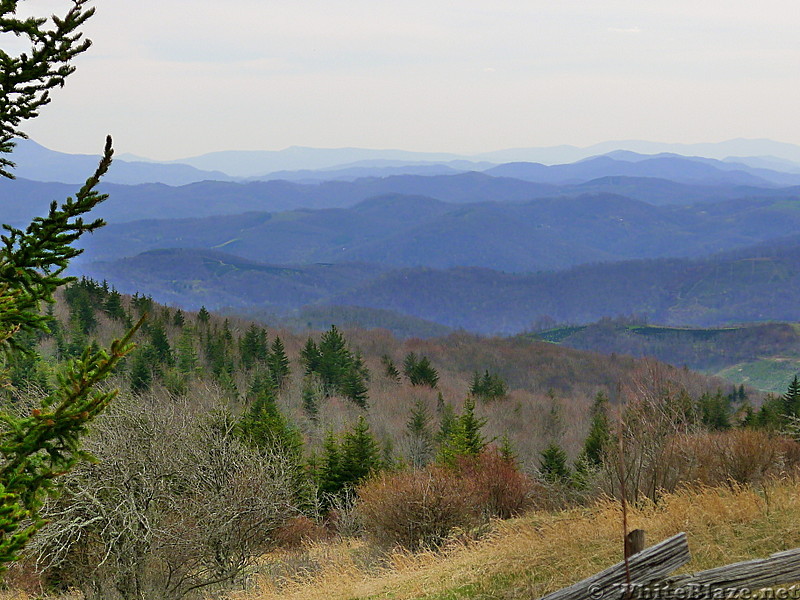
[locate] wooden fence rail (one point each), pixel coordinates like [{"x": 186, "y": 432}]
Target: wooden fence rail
[
  {"x": 647, "y": 567},
  {"x": 650, "y": 570}
]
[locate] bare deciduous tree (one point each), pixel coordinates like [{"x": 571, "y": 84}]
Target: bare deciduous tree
[{"x": 176, "y": 503}]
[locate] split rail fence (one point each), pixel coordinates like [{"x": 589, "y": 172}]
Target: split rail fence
[{"x": 647, "y": 576}]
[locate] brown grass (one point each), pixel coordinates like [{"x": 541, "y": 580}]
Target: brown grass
[{"x": 541, "y": 552}]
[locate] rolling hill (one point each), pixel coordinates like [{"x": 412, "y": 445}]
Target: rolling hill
[
  {"x": 417, "y": 231},
  {"x": 758, "y": 285}
]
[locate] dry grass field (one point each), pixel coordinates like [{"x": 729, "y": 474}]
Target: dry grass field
[{"x": 531, "y": 556}]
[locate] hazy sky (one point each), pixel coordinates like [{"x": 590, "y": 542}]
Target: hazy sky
[{"x": 174, "y": 78}]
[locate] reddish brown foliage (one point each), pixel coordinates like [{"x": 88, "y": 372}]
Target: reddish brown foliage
[{"x": 417, "y": 509}]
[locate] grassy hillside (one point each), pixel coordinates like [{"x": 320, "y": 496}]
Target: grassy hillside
[{"x": 531, "y": 556}]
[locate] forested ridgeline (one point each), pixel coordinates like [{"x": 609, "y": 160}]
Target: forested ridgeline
[{"x": 229, "y": 440}]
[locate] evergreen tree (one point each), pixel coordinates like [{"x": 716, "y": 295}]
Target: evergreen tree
[
  {"x": 278, "y": 363},
  {"x": 310, "y": 356},
  {"x": 506, "y": 450},
  {"x": 162, "y": 352},
  {"x": 38, "y": 447},
  {"x": 310, "y": 398},
  {"x": 390, "y": 369},
  {"x": 553, "y": 464},
  {"x": 264, "y": 424},
  {"x": 186, "y": 354},
  {"x": 143, "y": 369},
  {"x": 447, "y": 421},
  {"x": 489, "y": 386},
  {"x": 354, "y": 388},
  {"x": 599, "y": 432},
  {"x": 791, "y": 399},
  {"x": 339, "y": 370},
  {"x": 420, "y": 371},
  {"x": 409, "y": 364},
  {"x": 465, "y": 439},
  {"x": 253, "y": 346},
  {"x": 113, "y": 307},
  {"x": 178, "y": 320},
  {"x": 334, "y": 359},
  {"x": 331, "y": 480},
  {"x": 203, "y": 316},
  {"x": 361, "y": 453},
  {"x": 420, "y": 437},
  {"x": 714, "y": 411},
  {"x": 81, "y": 307}
]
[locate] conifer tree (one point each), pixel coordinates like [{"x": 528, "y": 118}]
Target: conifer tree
[
  {"x": 144, "y": 369},
  {"x": 361, "y": 453},
  {"x": 714, "y": 411},
  {"x": 36, "y": 448},
  {"x": 420, "y": 436},
  {"x": 253, "y": 346},
  {"x": 420, "y": 371},
  {"x": 310, "y": 399},
  {"x": 447, "y": 421},
  {"x": 553, "y": 464},
  {"x": 465, "y": 439},
  {"x": 162, "y": 352},
  {"x": 390, "y": 369},
  {"x": 264, "y": 424},
  {"x": 330, "y": 466},
  {"x": 203, "y": 316},
  {"x": 338, "y": 368},
  {"x": 186, "y": 354},
  {"x": 599, "y": 432},
  {"x": 791, "y": 399},
  {"x": 278, "y": 363},
  {"x": 506, "y": 450},
  {"x": 113, "y": 306},
  {"x": 310, "y": 356}
]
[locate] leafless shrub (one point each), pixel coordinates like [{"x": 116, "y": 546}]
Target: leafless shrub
[
  {"x": 417, "y": 509},
  {"x": 175, "y": 504},
  {"x": 741, "y": 457},
  {"x": 646, "y": 459}
]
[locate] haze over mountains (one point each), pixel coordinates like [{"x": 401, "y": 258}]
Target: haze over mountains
[{"x": 489, "y": 243}]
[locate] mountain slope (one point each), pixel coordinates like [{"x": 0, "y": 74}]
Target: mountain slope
[
  {"x": 405, "y": 231},
  {"x": 38, "y": 163},
  {"x": 758, "y": 285}
]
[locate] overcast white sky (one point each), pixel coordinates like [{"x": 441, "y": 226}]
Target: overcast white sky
[{"x": 174, "y": 78}]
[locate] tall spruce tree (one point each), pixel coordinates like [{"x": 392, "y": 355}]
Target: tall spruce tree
[
  {"x": 599, "y": 432},
  {"x": 361, "y": 453},
  {"x": 278, "y": 363},
  {"x": 791, "y": 399},
  {"x": 36, "y": 448},
  {"x": 264, "y": 424}
]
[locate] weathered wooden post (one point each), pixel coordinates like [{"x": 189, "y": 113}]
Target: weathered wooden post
[{"x": 634, "y": 542}]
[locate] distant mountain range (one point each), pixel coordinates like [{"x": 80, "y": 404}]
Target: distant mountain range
[
  {"x": 41, "y": 164},
  {"x": 261, "y": 163},
  {"x": 763, "y": 159},
  {"x": 421, "y": 243},
  {"x": 21, "y": 199}
]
